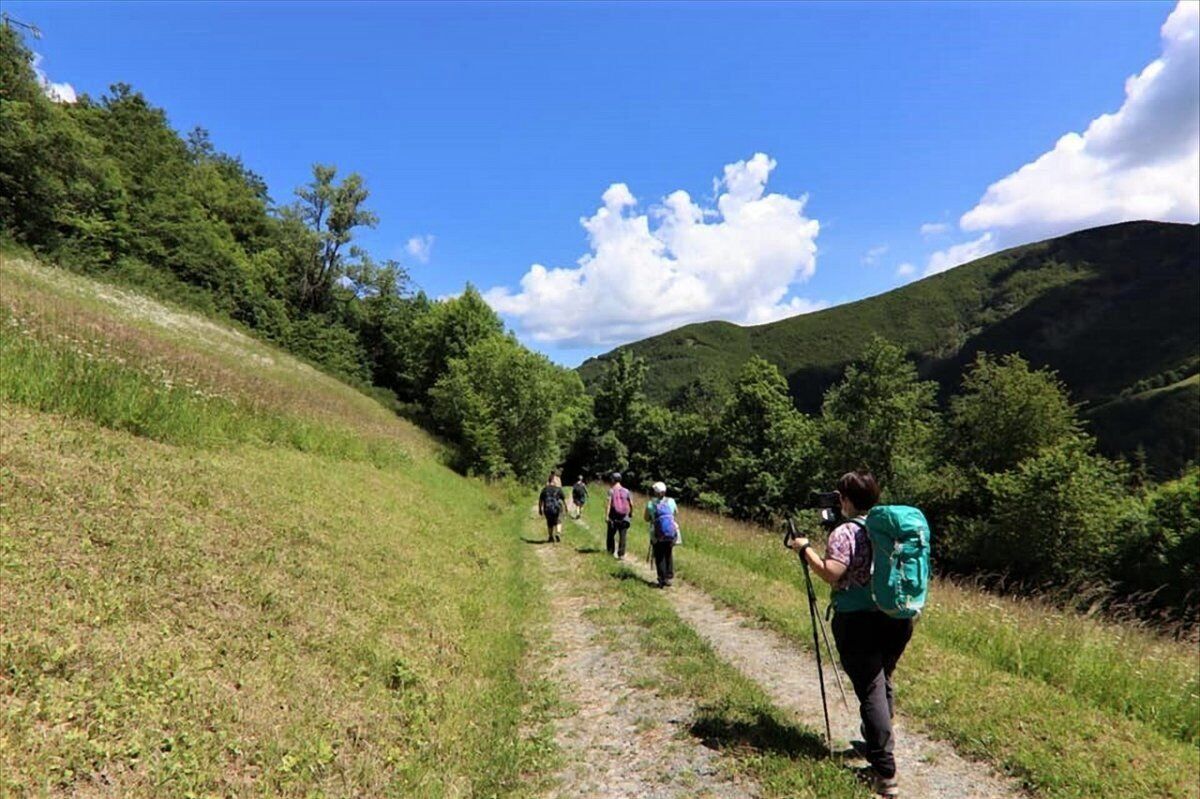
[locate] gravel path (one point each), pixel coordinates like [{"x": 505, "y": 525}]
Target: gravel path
[
  {"x": 622, "y": 741},
  {"x": 928, "y": 769}
]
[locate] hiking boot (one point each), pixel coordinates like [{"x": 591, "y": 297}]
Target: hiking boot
[
  {"x": 857, "y": 749},
  {"x": 879, "y": 784}
]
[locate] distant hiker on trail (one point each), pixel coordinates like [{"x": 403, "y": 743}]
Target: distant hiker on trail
[
  {"x": 664, "y": 533},
  {"x": 618, "y": 511},
  {"x": 550, "y": 505},
  {"x": 869, "y": 641},
  {"x": 579, "y": 496}
]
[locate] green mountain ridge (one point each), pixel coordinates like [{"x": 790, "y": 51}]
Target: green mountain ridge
[{"x": 1115, "y": 310}]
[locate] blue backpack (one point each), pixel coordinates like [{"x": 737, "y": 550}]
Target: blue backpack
[
  {"x": 900, "y": 559},
  {"x": 665, "y": 526}
]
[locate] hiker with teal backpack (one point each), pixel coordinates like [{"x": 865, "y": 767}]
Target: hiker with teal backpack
[
  {"x": 877, "y": 561},
  {"x": 664, "y": 533}
]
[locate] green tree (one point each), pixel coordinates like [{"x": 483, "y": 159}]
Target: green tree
[
  {"x": 1058, "y": 517},
  {"x": 448, "y": 331},
  {"x": 770, "y": 454},
  {"x": 511, "y": 409},
  {"x": 58, "y": 191},
  {"x": 332, "y": 211},
  {"x": 1006, "y": 413},
  {"x": 620, "y": 396},
  {"x": 1161, "y": 560},
  {"x": 882, "y": 417}
]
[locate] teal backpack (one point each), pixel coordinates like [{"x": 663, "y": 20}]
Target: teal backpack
[{"x": 900, "y": 568}]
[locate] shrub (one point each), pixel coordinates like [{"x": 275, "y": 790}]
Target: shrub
[{"x": 1057, "y": 517}]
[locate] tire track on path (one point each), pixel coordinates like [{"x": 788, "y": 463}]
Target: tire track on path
[{"x": 623, "y": 740}]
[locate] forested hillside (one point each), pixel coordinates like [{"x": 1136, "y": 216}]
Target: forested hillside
[
  {"x": 107, "y": 187},
  {"x": 1115, "y": 311}
]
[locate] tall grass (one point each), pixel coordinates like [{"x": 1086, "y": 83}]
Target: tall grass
[
  {"x": 55, "y": 375},
  {"x": 1117, "y": 667}
]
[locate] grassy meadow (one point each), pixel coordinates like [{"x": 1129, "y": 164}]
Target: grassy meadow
[{"x": 209, "y": 591}]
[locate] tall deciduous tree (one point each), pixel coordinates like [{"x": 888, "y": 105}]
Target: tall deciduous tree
[
  {"x": 1006, "y": 413},
  {"x": 770, "y": 451},
  {"x": 332, "y": 211},
  {"x": 512, "y": 409},
  {"x": 881, "y": 416}
]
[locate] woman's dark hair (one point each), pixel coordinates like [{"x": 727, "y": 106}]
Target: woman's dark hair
[{"x": 860, "y": 488}]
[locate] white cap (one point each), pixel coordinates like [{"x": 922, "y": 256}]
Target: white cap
[{"x": 659, "y": 488}]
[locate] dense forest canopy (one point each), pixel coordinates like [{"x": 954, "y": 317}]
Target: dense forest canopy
[{"x": 1010, "y": 477}]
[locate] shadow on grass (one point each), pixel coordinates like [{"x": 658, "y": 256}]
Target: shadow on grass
[
  {"x": 589, "y": 550},
  {"x": 536, "y": 541},
  {"x": 626, "y": 574},
  {"x": 760, "y": 732}
]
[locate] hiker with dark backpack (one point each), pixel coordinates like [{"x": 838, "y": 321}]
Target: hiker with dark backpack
[
  {"x": 618, "y": 511},
  {"x": 878, "y": 564},
  {"x": 579, "y": 495},
  {"x": 550, "y": 505},
  {"x": 664, "y": 533}
]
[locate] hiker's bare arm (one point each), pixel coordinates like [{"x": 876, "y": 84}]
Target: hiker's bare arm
[{"x": 827, "y": 569}]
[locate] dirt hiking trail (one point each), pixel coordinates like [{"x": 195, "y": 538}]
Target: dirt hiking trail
[
  {"x": 928, "y": 769},
  {"x": 622, "y": 741}
]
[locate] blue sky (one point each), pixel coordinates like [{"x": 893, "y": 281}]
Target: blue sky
[{"x": 496, "y": 128}]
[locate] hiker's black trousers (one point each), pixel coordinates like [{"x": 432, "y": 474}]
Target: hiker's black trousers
[
  {"x": 618, "y": 531},
  {"x": 664, "y": 561},
  {"x": 870, "y": 644}
]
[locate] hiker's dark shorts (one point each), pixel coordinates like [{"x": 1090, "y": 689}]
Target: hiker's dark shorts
[
  {"x": 580, "y": 501},
  {"x": 551, "y": 521}
]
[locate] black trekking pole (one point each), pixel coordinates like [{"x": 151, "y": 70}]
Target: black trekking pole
[{"x": 812, "y": 612}]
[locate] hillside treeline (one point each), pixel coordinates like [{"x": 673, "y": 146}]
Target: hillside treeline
[
  {"x": 106, "y": 186},
  {"x": 1010, "y": 478}
]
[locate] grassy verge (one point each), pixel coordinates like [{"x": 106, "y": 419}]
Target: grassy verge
[
  {"x": 734, "y": 714},
  {"x": 1071, "y": 706},
  {"x": 255, "y": 622}
]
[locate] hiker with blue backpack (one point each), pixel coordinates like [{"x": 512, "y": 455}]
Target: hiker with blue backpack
[
  {"x": 877, "y": 561},
  {"x": 664, "y": 533},
  {"x": 618, "y": 512}
]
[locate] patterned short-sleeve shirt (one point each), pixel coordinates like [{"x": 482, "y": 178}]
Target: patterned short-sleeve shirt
[{"x": 849, "y": 545}]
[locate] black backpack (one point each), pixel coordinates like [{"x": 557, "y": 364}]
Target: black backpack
[{"x": 551, "y": 501}]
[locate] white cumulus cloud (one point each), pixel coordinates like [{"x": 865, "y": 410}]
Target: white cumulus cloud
[
  {"x": 934, "y": 228},
  {"x": 58, "y": 92},
  {"x": 1140, "y": 162},
  {"x": 906, "y": 269},
  {"x": 647, "y": 272},
  {"x": 420, "y": 247}
]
